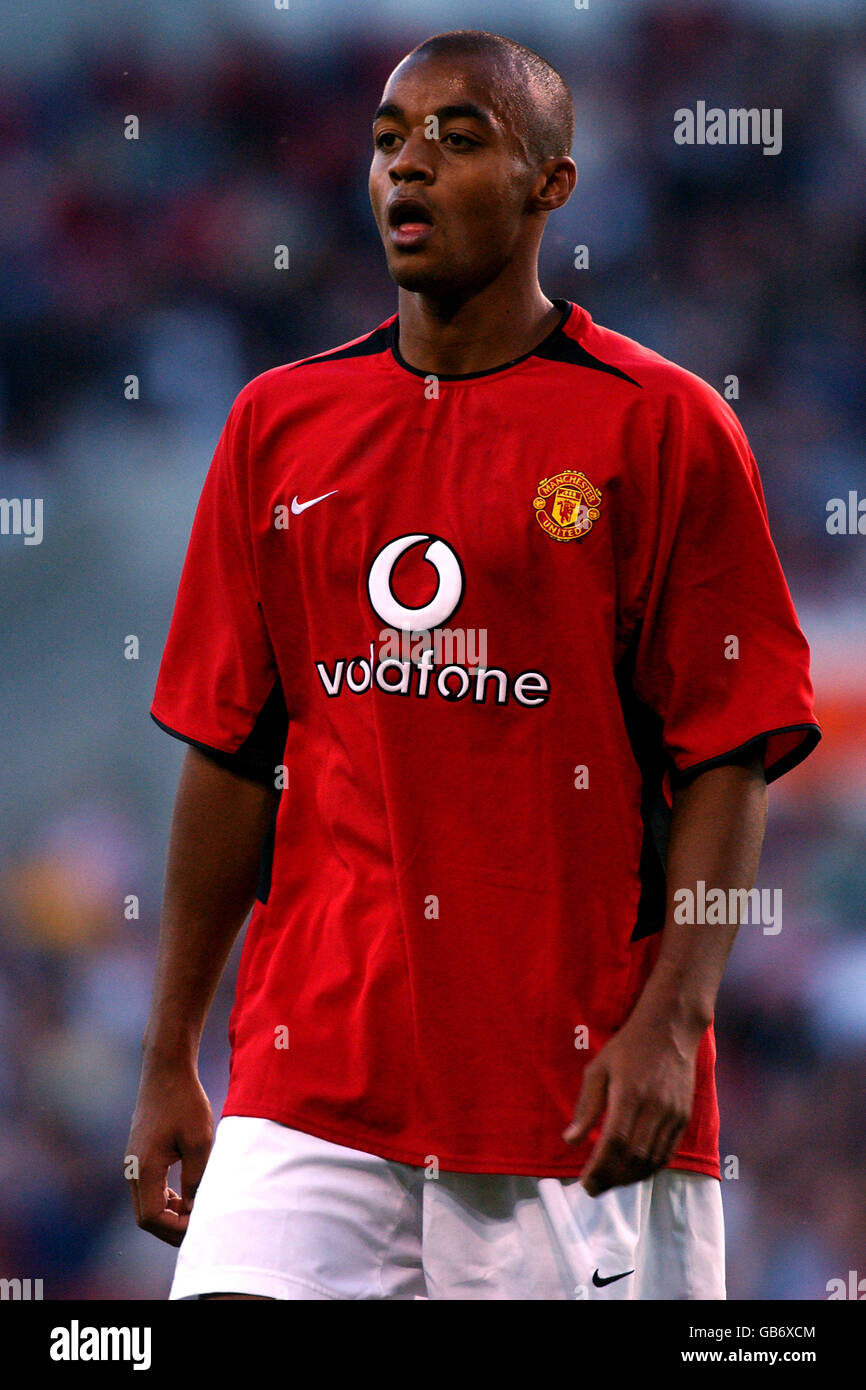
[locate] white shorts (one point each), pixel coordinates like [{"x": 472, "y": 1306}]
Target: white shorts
[{"x": 283, "y": 1214}]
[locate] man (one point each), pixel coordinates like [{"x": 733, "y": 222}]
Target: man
[{"x": 472, "y": 1043}]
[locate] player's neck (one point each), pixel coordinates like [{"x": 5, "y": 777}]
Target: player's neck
[{"x": 456, "y": 337}]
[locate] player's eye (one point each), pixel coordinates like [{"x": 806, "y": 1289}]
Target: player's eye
[{"x": 457, "y": 140}]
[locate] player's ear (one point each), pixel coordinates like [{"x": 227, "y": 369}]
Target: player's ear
[{"x": 555, "y": 183}]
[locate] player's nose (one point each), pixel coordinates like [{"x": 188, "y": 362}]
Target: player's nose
[{"x": 414, "y": 159}]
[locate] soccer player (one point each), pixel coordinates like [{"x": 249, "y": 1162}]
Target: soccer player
[{"x": 485, "y": 658}]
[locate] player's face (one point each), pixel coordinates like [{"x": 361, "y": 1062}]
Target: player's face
[{"x": 466, "y": 168}]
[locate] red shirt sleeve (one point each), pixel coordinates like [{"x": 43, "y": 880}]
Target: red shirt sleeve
[
  {"x": 721, "y": 657},
  {"x": 218, "y": 686}
]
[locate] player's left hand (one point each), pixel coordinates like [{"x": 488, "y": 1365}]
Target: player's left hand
[{"x": 643, "y": 1082}]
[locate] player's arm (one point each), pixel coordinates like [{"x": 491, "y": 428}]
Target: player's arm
[
  {"x": 643, "y": 1079},
  {"x": 218, "y": 825}
]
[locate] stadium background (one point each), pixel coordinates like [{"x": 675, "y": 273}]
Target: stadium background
[{"x": 155, "y": 257}]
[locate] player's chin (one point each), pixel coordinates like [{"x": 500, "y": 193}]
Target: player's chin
[
  {"x": 424, "y": 275},
  {"x": 411, "y": 270}
]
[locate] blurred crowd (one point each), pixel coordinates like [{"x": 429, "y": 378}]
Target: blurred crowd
[{"x": 154, "y": 257}]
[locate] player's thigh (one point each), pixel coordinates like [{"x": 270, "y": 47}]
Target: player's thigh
[{"x": 283, "y": 1214}]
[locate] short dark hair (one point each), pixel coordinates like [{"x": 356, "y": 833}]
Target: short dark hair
[{"x": 535, "y": 94}]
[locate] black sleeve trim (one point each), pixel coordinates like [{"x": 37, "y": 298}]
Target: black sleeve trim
[
  {"x": 811, "y": 738},
  {"x": 261, "y": 751}
]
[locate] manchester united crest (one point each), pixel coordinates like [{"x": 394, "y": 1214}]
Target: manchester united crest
[{"x": 567, "y": 505}]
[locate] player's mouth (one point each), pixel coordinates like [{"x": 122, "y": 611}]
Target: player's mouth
[{"x": 410, "y": 222}]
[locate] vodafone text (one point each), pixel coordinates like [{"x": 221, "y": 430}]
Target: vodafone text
[{"x": 358, "y": 674}]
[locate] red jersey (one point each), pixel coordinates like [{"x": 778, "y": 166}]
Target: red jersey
[{"x": 475, "y": 628}]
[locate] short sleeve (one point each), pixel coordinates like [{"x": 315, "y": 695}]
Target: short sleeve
[
  {"x": 721, "y": 657},
  {"x": 218, "y": 686}
]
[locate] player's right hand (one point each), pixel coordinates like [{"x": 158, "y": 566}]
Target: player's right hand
[{"x": 172, "y": 1121}]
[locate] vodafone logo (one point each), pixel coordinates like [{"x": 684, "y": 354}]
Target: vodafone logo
[
  {"x": 421, "y": 678},
  {"x": 444, "y": 603}
]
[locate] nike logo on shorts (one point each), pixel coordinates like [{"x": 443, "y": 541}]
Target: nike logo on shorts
[{"x": 600, "y": 1283}]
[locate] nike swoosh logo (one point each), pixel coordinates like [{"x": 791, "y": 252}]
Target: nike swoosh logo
[
  {"x": 298, "y": 507},
  {"x": 600, "y": 1283}
]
